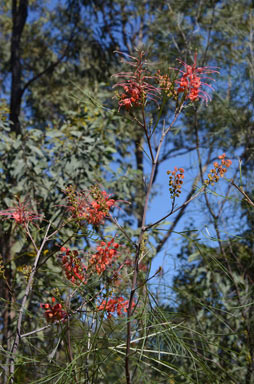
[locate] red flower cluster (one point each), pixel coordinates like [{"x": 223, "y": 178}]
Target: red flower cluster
[
  {"x": 114, "y": 305},
  {"x": 54, "y": 312},
  {"x": 191, "y": 81},
  {"x": 132, "y": 96},
  {"x": 219, "y": 170},
  {"x": 92, "y": 206},
  {"x": 104, "y": 255},
  {"x": 74, "y": 270},
  {"x": 21, "y": 213},
  {"x": 137, "y": 89},
  {"x": 99, "y": 207},
  {"x": 175, "y": 181},
  {"x": 225, "y": 162}
]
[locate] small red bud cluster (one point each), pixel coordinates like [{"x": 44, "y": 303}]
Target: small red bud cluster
[
  {"x": 224, "y": 161},
  {"x": 73, "y": 268},
  {"x": 116, "y": 305},
  {"x": 104, "y": 256},
  {"x": 92, "y": 207},
  {"x": 219, "y": 170},
  {"x": 54, "y": 312},
  {"x": 175, "y": 181}
]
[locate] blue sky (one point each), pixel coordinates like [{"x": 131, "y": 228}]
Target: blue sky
[{"x": 194, "y": 213}]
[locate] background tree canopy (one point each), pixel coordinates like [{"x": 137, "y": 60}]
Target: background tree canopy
[{"x": 60, "y": 126}]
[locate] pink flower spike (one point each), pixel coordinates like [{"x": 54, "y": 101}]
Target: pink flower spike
[
  {"x": 135, "y": 86},
  {"x": 191, "y": 81},
  {"x": 21, "y": 213}
]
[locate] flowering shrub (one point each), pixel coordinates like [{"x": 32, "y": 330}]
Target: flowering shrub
[
  {"x": 138, "y": 87},
  {"x": 119, "y": 272}
]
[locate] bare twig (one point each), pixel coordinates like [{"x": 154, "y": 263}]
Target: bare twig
[
  {"x": 176, "y": 209},
  {"x": 114, "y": 220},
  {"x": 240, "y": 189}
]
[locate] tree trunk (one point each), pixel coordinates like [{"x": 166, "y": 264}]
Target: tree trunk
[{"x": 19, "y": 16}]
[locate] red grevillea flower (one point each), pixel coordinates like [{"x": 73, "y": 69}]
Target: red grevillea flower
[
  {"x": 106, "y": 252},
  {"x": 116, "y": 305},
  {"x": 54, "y": 312},
  {"x": 21, "y": 213},
  {"x": 136, "y": 84},
  {"x": 92, "y": 206},
  {"x": 192, "y": 80},
  {"x": 74, "y": 270}
]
